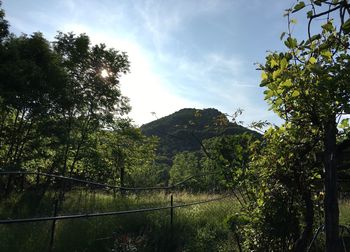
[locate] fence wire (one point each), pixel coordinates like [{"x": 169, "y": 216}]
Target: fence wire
[
  {"x": 113, "y": 213},
  {"x": 102, "y": 185}
]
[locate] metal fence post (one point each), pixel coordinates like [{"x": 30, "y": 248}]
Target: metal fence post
[
  {"x": 171, "y": 211},
  {"x": 53, "y": 226},
  {"x": 37, "y": 176}
]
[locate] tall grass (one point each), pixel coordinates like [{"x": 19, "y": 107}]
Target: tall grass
[
  {"x": 344, "y": 212},
  {"x": 195, "y": 228}
]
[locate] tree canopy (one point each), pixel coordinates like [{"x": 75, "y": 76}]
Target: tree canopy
[{"x": 308, "y": 87}]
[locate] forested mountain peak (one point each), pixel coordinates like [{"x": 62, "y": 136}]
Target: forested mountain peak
[
  {"x": 185, "y": 129},
  {"x": 186, "y": 117}
]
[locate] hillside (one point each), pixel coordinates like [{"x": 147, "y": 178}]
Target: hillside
[{"x": 186, "y": 128}]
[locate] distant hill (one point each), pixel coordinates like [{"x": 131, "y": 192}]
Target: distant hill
[{"x": 186, "y": 128}]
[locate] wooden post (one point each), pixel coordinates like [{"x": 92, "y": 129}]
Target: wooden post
[{"x": 331, "y": 190}]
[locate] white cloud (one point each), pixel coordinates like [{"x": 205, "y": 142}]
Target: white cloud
[{"x": 167, "y": 76}]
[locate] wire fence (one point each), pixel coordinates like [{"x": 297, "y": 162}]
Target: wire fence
[
  {"x": 170, "y": 207},
  {"x": 107, "y": 186},
  {"x": 321, "y": 229},
  {"x": 90, "y": 215},
  {"x": 57, "y": 217}
]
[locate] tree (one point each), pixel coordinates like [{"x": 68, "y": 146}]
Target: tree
[
  {"x": 91, "y": 101},
  {"x": 308, "y": 86},
  {"x": 186, "y": 165},
  {"x": 4, "y": 32},
  {"x": 121, "y": 156},
  {"x": 228, "y": 156},
  {"x": 54, "y": 99},
  {"x": 285, "y": 177},
  {"x": 31, "y": 82}
]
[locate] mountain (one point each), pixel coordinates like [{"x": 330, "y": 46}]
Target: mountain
[{"x": 185, "y": 129}]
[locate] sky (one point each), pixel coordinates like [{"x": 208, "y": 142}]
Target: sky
[{"x": 183, "y": 53}]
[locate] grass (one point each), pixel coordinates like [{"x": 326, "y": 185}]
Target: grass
[
  {"x": 195, "y": 228},
  {"x": 344, "y": 212}
]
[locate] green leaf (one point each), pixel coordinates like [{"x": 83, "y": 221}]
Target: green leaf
[
  {"x": 346, "y": 26},
  {"x": 326, "y": 54},
  {"x": 275, "y": 74},
  {"x": 293, "y": 21},
  {"x": 291, "y": 42},
  {"x": 287, "y": 83},
  {"x": 273, "y": 63},
  {"x": 278, "y": 101},
  {"x": 284, "y": 63},
  {"x": 298, "y": 6},
  {"x": 312, "y": 60},
  {"x": 313, "y": 38},
  {"x": 318, "y": 2},
  {"x": 295, "y": 93},
  {"x": 264, "y": 75},
  {"x": 282, "y": 35},
  {"x": 309, "y": 14},
  {"x": 344, "y": 123},
  {"x": 268, "y": 94},
  {"x": 317, "y": 176},
  {"x": 328, "y": 26}
]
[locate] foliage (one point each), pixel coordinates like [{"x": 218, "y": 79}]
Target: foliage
[
  {"x": 186, "y": 129},
  {"x": 60, "y": 114},
  {"x": 196, "y": 228},
  {"x": 285, "y": 177},
  {"x": 185, "y": 165},
  {"x": 229, "y": 156},
  {"x": 307, "y": 87}
]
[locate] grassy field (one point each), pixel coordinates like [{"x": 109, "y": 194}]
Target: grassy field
[{"x": 196, "y": 228}]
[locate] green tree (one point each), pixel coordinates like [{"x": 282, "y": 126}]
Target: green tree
[
  {"x": 91, "y": 101},
  {"x": 120, "y": 156},
  {"x": 186, "y": 165},
  {"x": 308, "y": 86},
  {"x": 4, "y": 32},
  {"x": 54, "y": 99},
  {"x": 228, "y": 157},
  {"x": 285, "y": 177},
  {"x": 31, "y": 80}
]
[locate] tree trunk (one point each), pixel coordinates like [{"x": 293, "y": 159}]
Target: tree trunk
[
  {"x": 331, "y": 192},
  {"x": 303, "y": 242}
]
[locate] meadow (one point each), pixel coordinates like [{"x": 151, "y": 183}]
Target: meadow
[{"x": 195, "y": 228}]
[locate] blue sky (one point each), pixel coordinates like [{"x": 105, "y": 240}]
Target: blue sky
[{"x": 183, "y": 53}]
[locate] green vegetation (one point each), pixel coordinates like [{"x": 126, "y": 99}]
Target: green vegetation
[
  {"x": 192, "y": 229},
  {"x": 308, "y": 87},
  {"x": 59, "y": 114},
  {"x": 186, "y": 129}
]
